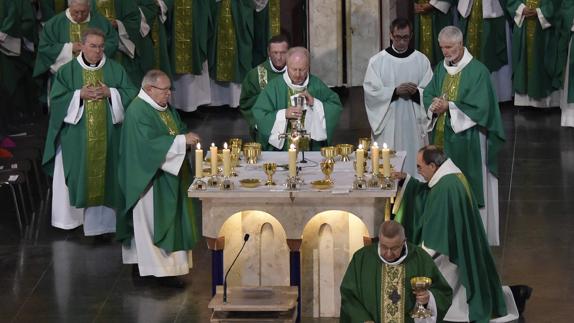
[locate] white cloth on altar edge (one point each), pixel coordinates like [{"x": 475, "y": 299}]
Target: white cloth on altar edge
[
  {"x": 191, "y": 91},
  {"x": 567, "y": 117}
]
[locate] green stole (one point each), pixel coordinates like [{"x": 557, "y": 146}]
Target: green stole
[
  {"x": 393, "y": 293},
  {"x": 531, "y": 24},
  {"x": 226, "y": 44},
  {"x": 96, "y": 135},
  {"x": 450, "y": 90},
  {"x": 474, "y": 29}
]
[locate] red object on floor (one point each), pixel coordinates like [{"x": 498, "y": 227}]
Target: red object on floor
[{"x": 5, "y": 154}]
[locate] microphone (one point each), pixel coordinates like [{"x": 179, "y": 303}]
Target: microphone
[{"x": 245, "y": 238}]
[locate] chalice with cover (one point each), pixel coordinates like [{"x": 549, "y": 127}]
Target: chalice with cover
[
  {"x": 270, "y": 169},
  {"x": 420, "y": 284}
]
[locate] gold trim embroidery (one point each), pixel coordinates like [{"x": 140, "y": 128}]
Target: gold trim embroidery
[
  {"x": 474, "y": 29},
  {"x": 226, "y": 44},
  {"x": 183, "y": 17},
  {"x": 426, "y": 35},
  {"x": 275, "y": 17},
  {"x": 393, "y": 293},
  {"x": 450, "y": 88},
  {"x": 262, "y": 73},
  {"x": 106, "y": 8},
  {"x": 167, "y": 119}
]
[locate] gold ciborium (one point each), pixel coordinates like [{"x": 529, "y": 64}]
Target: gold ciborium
[
  {"x": 327, "y": 167},
  {"x": 270, "y": 169},
  {"x": 420, "y": 284},
  {"x": 252, "y": 151},
  {"x": 366, "y": 142},
  {"x": 345, "y": 150},
  {"x": 236, "y": 144},
  {"x": 329, "y": 152}
]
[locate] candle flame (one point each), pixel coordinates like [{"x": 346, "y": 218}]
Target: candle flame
[
  {"x": 198, "y": 146},
  {"x": 360, "y": 146},
  {"x": 292, "y": 146},
  {"x": 212, "y": 145},
  {"x": 376, "y": 145},
  {"x": 224, "y": 145},
  {"x": 385, "y": 146}
]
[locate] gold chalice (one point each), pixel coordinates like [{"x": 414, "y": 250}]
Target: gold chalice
[
  {"x": 236, "y": 142},
  {"x": 252, "y": 150},
  {"x": 270, "y": 169},
  {"x": 329, "y": 152},
  {"x": 327, "y": 167},
  {"x": 420, "y": 284},
  {"x": 236, "y": 149},
  {"x": 234, "y": 162},
  {"x": 345, "y": 150}
]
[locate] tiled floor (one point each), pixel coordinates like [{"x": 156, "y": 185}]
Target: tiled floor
[{"x": 65, "y": 277}]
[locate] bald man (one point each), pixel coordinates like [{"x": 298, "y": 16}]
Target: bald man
[{"x": 275, "y": 106}]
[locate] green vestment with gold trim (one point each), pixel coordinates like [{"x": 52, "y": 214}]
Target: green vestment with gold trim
[
  {"x": 472, "y": 92},
  {"x": 446, "y": 218},
  {"x": 154, "y": 52},
  {"x": 374, "y": 291},
  {"x": 90, "y": 147},
  {"x": 426, "y": 29},
  {"x": 147, "y": 135},
  {"x": 266, "y": 24}
]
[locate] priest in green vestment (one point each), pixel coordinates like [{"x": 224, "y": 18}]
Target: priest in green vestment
[
  {"x": 88, "y": 97},
  {"x": 533, "y": 52},
  {"x": 154, "y": 52},
  {"x": 465, "y": 121},
  {"x": 258, "y": 78},
  {"x": 266, "y": 25},
  {"x": 430, "y": 18},
  {"x": 157, "y": 224},
  {"x": 125, "y": 17},
  {"x": 60, "y": 40},
  {"x": 442, "y": 216},
  {"x": 377, "y": 284},
  {"x": 18, "y": 40},
  {"x": 275, "y": 106}
]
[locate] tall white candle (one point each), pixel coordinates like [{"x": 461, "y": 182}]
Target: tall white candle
[
  {"x": 226, "y": 161},
  {"x": 292, "y": 161},
  {"x": 213, "y": 156},
  {"x": 360, "y": 161},
  {"x": 198, "y": 161},
  {"x": 386, "y": 161},
  {"x": 375, "y": 157}
]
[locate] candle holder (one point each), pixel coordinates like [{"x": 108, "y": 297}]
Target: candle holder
[
  {"x": 387, "y": 183},
  {"x": 359, "y": 183},
  {"x": 213, "y": 181},
  {"x": 226, "y": 184},
  {"x": 198, "y": 184},
  {"x": 374, "y": 181},
  {"x": 293, "y": 183}
]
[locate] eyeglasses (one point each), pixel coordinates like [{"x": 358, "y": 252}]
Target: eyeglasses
[
  {"x": 403, "y": 38},
  {"x": 161, "y": 89}
]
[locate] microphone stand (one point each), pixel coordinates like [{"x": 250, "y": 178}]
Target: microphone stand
[{"x": 245, "y": 238}]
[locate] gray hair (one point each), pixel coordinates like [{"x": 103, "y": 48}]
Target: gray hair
[
  {"x": 451, "y": 33},
  {"x": 295, "y": 51},
  {"x": 152, "y": 76},
  {"x": 433, "y": 154},
  {"x": 71, "y": 2},
  {"x": 92, "y": 32},
  {"x": 391, "y": 229}
]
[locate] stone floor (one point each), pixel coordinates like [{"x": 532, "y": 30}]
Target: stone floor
[{"x": 64, "y": 277}]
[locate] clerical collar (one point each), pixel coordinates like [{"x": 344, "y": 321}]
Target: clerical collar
[
  {"x": 447, "y": 168},
  {"x": 295, "y": 87},
  {"x": 88, "y": 66},
  {"x": 276, "y": 70},
  {"x": 144, "y": 96},
  {"x": 391, "y": 50},
  {"x": 69, "y": 16},
  {"x": 454, "y": 69},
  {"x": 404, "y": 255}
]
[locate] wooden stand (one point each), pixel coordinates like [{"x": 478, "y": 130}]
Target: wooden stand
[{"x": 255, "y": 304}]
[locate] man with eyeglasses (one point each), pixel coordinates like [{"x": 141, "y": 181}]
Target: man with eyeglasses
[
  {"x": 393, "y": 86},
  {"x": 442, "y": 217},
  {"x": 377, "y": 284},
  {"x": 157, "y": 224},
  {"x": 88, "y": 98}
]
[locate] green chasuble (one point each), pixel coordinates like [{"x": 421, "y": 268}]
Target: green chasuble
[
  {"x": 255, "y": 81},
  {"x": 128, "y": 13},
  {"x": 50, "y": 8},
  {"x": 266, "y": 24},
  {"x": 485, "y": 38},
  {"x": 90, "y": 147},
  {"x": 472, "y": 92},
  {"x": 154, "y": 50},
  {"x": 533, "y": 51},
  {"x": 147, "y": 135},
  {"x": 231, "y": 45},
  {"x": 426, "y": 28},
  {"x": 374, "y": 291},
  {"x": 188, "y": 25},
  {"x": 449, "y": 223},
  {"x": 60, "y": 30},
  {"x": 275, "y": 97}
]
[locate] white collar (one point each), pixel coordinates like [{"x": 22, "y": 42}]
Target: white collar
[
  {"x": 396, "y": 51},
  {"x": 72, "y": 19},
  {"x": 90, "y": 68},
  {"x": 277, "y": 70},
  {"x": 466, "y": 58},
  {"x": 396, "y": 262},
  {"x": 144, "y": 96},
  {"x": 297, "y": 88},
  {"x": 447, "y": 168}
]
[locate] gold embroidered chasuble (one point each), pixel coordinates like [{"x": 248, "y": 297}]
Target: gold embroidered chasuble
[
  {"x": 450, "y": 93},
  {"x": 183, "y": 36},
  {"x": 393, "y": 293}
]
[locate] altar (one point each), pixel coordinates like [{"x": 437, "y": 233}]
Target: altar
[{"x": 304, "y": 237}]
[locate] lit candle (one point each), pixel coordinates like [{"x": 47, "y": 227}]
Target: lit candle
[
  {"x": 375, "y": 157},
  {"x": 292, "y": 161},
  {"x": 226, "y": 161},
  {"x": 386, "y": 161},
  {"x": 198, "y": 161},
  {"x": 360, "y": 162},
  {"x": 213, "y": 156}
]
